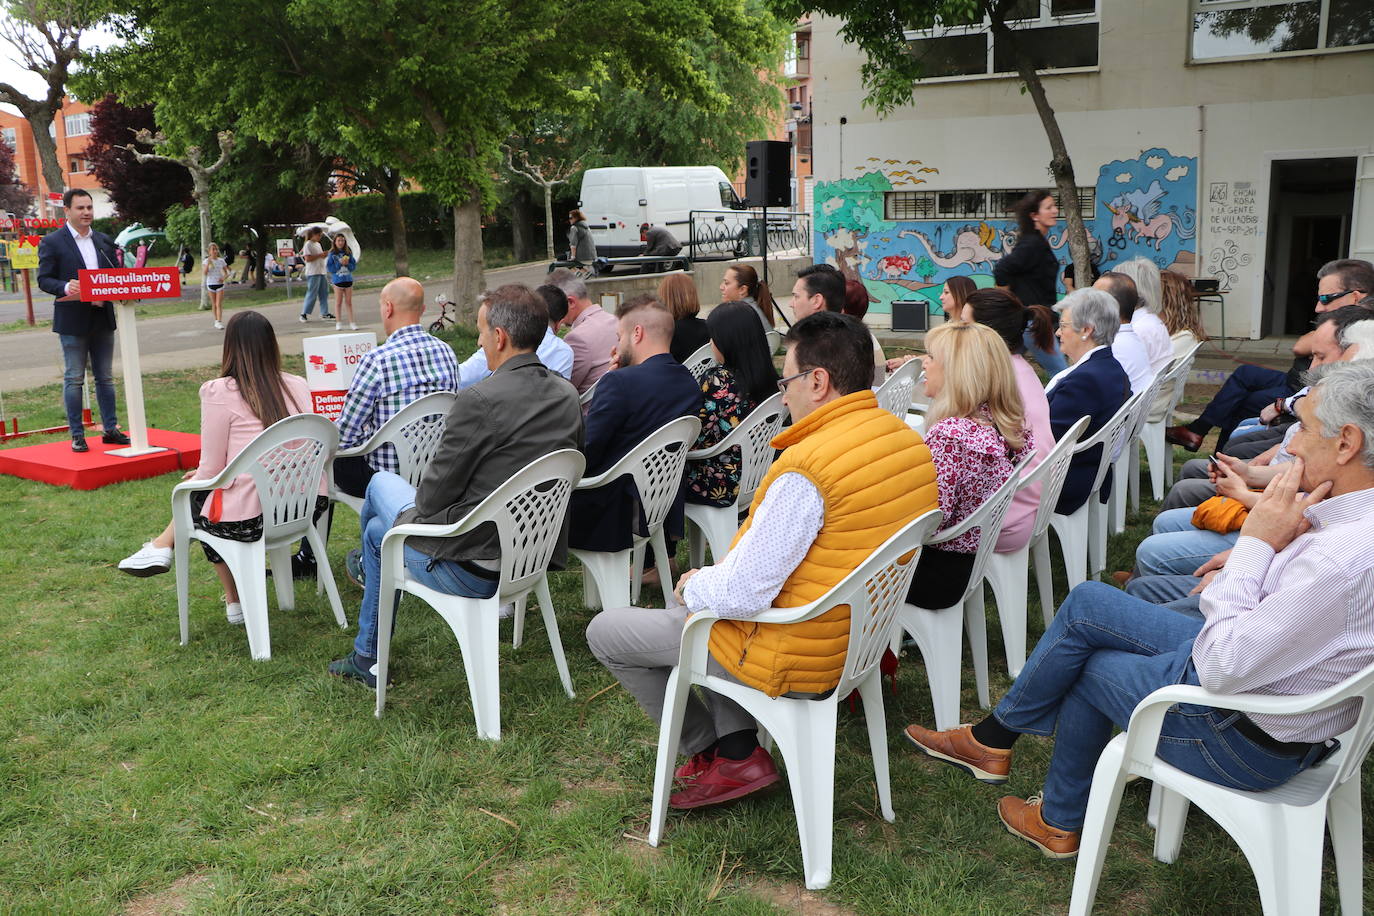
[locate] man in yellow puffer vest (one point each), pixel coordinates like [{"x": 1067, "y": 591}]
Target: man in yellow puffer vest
[{"x": 851, "y": 475}]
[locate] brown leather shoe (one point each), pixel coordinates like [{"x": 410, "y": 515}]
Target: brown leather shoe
[
  {"x": 1121, "y": 577},
  {"x": 1022, "y": 818},
  {"x": 958, "y": 747},
  {"x": 1182, "y": 435}
]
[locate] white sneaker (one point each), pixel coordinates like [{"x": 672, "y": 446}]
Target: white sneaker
[
  {"x": 353, "y": 325},
  {"x": 338, "y": 325},
  {"x": 507, "y": 610},
  {"x": 233, "y": 612},
  {"x": 148, "y": 561},
  {"x": 218, "y": 326},
  {"x": 304, "y": 319}
]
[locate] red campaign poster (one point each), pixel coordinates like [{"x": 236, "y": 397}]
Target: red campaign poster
[{"x": 119, "y": 283}]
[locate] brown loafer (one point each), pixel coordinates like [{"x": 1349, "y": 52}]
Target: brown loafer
[
  {"x": 1021, "y": 816},
  {"x": 1121, "y": 577},
  {"x": 958, "y": 747},
  {"x": 1182, "y": 435}
]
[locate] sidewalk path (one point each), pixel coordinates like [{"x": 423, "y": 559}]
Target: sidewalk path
[{"x": 33, "y": 358}]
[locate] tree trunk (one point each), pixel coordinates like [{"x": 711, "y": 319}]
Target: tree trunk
[
  {"x": 548, "y": 221},
  {"x": 260, "y": 254},
  {"x": 521, "y": 225},
  {"x": 201, "y": 192},
  {"x": 53, "y": 173},
  {"x": 1061, "y": 166},
  {"x": 396, "y": 220},
  {"x": 468, "y": 281}
]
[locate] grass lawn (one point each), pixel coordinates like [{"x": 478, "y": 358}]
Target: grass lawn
[{"x": 141, "y": 776}]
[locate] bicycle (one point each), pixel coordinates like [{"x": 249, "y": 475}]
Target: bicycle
[{"x": 444, "y": 319}]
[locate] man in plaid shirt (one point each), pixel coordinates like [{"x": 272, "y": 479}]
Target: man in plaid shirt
[{"x": 408, "y": 366}]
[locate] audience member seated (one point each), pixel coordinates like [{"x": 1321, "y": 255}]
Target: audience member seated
[
  {"x": 1128, "y": 349},
  {"x": 553, "y": 352},
  {"x": 850, "y": 476},
  {"x": 520, "y": 413},
  {"x": 649, "y": 389},
  {"x": 1288, "y": 615},
  {"x": 592, "y": 331},
  {"x": 1250, "y": 389},
  {"x": 856, "y": 300},
  {"x": 741, "y": 284},
  {"x": 1179, "y": 314},
  {"x": 976, "y": 431},
  {"x": 955, "y": 293},
  {"x": 819, "y": 287},
  {"x": 250, "y": 395},
  {"x": 1094, "y": 386},
  {"x": 743, "y": 379},
  {"x": 678, "y": 294},
  {"x": 1145, "y": 319}
]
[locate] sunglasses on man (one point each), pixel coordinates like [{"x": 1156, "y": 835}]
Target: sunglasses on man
[{"x": 1328, "y": 298}]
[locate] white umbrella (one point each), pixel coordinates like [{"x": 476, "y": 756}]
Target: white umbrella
[{"x": 331, "y": 227}]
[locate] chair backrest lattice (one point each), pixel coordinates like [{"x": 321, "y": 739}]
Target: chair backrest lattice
[
  {"x": 287, "y": 462},
  {"x": 416, "y": 445},
  {"x": 658, "y": 464},
  {"x": 1111, "y": 435},
  {"x": 757, "y": 455},
  {"x": 894, "y": 395},
  {"x": 700, "y": 362},
  {"x": 994, "y": 512},
  {"x": 528, "y": 511},
  {"x": 585, "y": 397},
  {"x": 1358, "y": 739},
  {"x": 1178, "y": 377},
  {"x": 1147, "y": 401},
  {"x": 1052, "y": 473}
]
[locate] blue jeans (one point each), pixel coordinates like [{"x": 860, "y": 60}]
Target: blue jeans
[
  {"x": 1102, "y": 655},
  {"x": 98, "y": 347},
  {"x": 316, "y": 287},
  {"x": 1168, "y": 591},
  {"x": 1177, "y": 548},
  {"x": 1052, "y": 361},
  {"x": 388, "y": 495}
]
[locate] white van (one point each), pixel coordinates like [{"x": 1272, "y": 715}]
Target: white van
[{"x": 617, "y": 201}]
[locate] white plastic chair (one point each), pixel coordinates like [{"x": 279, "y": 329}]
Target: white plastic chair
[
  {"x": 414, "y": 432},
  {"x": 1280, "y": 831},
  {"x": 716, "y": 526},
  {"x": 774, "y": 338},
  {"x": 1078, "y": 532},
  {"x": 286, "y": 462},
  {"x": 585, "y": 397},
  {"x": 1158, "y": 452},
  {"x": 528, "y": 512},
  {"x": 656, "y": 465},
  {"x": 700, "y": 362},
  {"x": 894, "y": 395},
  {"x": 936, "y": 630},
  {"x": 1126, "y": 476},
  {"x": 805, "y": 729},
  {"x": 1008, "y": 573}
]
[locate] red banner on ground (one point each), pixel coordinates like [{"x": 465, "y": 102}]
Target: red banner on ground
[{"x": 117, "y": 283}]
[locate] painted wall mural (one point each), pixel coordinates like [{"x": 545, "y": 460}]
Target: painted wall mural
[{"x": 1145, "y": 206}]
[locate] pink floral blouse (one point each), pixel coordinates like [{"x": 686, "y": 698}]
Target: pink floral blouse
[{"x": 971, "y": 462}]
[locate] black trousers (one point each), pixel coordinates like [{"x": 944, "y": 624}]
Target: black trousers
[{"x": 351, "y": 475}]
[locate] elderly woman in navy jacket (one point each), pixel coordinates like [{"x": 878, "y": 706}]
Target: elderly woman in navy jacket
[{"x": 1094, "y": 385}]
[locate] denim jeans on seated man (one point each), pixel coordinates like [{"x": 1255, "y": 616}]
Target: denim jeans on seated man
[
  {"x": 97, "y": 347},
  {"x": 1103, "y": 653},
  {"x": 388, "y": 495},
  {"x": 1177, "y": 547},
  {"x": 1173, "y": 592}
]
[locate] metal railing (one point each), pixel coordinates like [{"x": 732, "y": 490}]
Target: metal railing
[{"x": 721, "y": 235}]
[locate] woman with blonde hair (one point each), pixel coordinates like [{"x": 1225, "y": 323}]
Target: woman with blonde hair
[
  {"x": 678, "y": 294},
  {"x": 977, "y": 433},
  {"x": 1178, "y": 310},
  {"x": 216, "y": 273}
]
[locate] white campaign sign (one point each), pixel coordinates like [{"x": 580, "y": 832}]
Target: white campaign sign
[{"x": 330, "y": 362}]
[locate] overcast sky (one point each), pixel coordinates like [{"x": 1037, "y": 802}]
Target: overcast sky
[{"x": 28, "y": 83}]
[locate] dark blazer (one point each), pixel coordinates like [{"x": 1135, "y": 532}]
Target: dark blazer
[
  {"x": 689, "y": 336},
  {"x": 1096, "y": 389},
  {"x": 58, "y": 261},
  {"x": 1030, "y": 270},
  {"x": 629, "y": 404},
  {"x": 518, "y": 414}
]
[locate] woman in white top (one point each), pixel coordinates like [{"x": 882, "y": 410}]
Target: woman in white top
[{"x": 216, "y": 274}]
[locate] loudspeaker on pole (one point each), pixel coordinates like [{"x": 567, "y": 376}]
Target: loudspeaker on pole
[{"x": 768, "y": 175}]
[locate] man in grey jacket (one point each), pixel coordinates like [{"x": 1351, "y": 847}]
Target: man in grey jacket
[{"x": 520, "y": 413}]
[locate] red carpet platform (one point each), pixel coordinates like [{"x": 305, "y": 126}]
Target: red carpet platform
[{"x": 57, "y": 464}]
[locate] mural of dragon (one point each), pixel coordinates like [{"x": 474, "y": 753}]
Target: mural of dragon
[{"x": 973, "y": 245}]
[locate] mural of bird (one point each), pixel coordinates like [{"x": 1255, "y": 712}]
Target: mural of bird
[
  {"x": 892, "y": 161},
  {"x": 895, "y": 174},
  {"x": 927, "y": 170},
  {"x": 873, "y": 159},
  {"x": 913, "y": 162}
]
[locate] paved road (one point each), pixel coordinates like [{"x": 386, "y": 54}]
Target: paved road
[{"x": 32, "y": 358}]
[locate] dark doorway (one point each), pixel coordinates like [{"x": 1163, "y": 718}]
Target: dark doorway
[{"x": 1310, "y": 208}]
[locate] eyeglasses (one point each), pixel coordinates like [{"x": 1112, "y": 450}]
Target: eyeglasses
[
  {"x": 1328, "y": 298},
  {"x": 782, "y": 382}
]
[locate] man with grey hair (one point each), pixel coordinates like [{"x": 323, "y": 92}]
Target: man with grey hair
[
  {"x": 520, "y": 413},
  {"x": 593, "y": 332},
  {"x": 1094, "y": 385},
  {"x": 1291, "y": 614}
]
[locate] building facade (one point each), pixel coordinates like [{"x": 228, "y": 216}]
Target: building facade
[
  {"x": 71, "y": 131},
  {"x": 1224, "y": 139}
]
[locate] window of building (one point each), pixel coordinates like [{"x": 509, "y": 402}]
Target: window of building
[
  {"x": 79, "y": 166},
  {"x": 8, "y": 135},
  {"x": 967, "y": 204},
  {"x": 77, "y": 125},
  {"x": 1059, "y": 34},
  {"x": 1226, "y": 29}
]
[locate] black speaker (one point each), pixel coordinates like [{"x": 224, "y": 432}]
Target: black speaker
[
  {"x": 768, "y": 176},
  {"x": 910, "y": 316}
]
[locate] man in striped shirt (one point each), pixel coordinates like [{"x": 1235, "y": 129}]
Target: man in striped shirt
[{"x": 1291, "y": 613}]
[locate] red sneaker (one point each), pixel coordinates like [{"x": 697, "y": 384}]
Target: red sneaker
[
  {"x": 725, "y": 780},
  {"x": 694, "y": 767}
]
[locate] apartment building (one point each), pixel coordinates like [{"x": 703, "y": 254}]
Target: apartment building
[{"x": 71, "y": 130}]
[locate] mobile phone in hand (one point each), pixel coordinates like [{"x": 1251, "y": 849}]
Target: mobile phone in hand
[{"x": 1216, "y": 465}]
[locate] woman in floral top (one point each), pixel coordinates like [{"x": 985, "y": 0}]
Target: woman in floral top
[
  {"x": 744, "y": 378},
  {"x": 977, "y": 433}
]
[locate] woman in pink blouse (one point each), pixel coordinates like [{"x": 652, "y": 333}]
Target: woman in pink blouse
[
  {"x": 250, "y": 395},
  {"x": 976, "y": 431},
  {"x": 1001, "y": 311}
]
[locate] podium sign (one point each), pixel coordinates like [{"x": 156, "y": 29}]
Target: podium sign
[
  {"x": 329, "y": 366},
  {"x": 116, "y": 284}
]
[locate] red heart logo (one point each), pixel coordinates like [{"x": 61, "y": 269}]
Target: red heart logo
[
  {"x": 33, "y": 240},
  {"x": 331, "y": 367}
]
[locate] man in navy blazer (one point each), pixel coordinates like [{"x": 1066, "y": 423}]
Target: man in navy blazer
[
  {"x": 1094, "y": 386},
  {"x": 86, "y": 329},
  {"x": 650, "y": 389}
]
